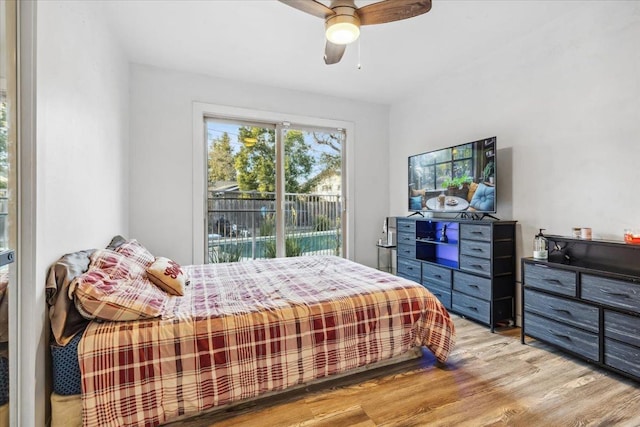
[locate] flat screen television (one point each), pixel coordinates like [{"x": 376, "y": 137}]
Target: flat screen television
[{"x": 459, "y": 179}]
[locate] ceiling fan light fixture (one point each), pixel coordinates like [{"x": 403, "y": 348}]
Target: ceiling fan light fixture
[
  {"x": 342, "y": 29},
  {"x": 342, "y": 18}
]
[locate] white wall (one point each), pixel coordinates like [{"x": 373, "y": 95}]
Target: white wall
[
  {"x": 82, "y": 168},
  {"x": 564, "y": 103},
  {"x": 161, "y": 214}
]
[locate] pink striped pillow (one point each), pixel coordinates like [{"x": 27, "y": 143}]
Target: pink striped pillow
[
  {"x": 115, "y": 287},
  {"x": 115, "y": 264},
  {"x": 137, "y": 253},
  {"x": 101, "y": 296}
]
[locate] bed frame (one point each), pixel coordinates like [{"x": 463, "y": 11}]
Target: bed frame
[
  {"x": 4, "y": 415},
  {"x": 66, "y": 411}
]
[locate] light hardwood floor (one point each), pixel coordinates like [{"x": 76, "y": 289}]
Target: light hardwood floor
[{"x": 489, "y": 380}]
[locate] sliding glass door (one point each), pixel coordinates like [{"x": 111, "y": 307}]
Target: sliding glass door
[
  {"x": 312, "y": 180},
  {"x": 273, "y": 190}
]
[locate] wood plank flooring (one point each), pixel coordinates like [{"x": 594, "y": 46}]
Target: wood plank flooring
[{"x": 489, "y": 380}]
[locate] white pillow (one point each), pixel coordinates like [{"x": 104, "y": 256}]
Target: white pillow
[{"x": 168, "y": 276}]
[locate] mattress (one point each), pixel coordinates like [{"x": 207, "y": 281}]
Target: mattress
[
  {"x": 4, "y": 415},
  {"x": 244, "y": 329}
]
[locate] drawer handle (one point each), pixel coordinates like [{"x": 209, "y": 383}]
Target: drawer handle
[
  {"x": 406, "y": 251},
  {"x": 474, "y": 286},
  {"x": 477, "y": 249},
  {"x": 562, "y": 310},
  {"x": 409, "y": 268},
  {"x": 476, "y": 232},
  {"x": 407, "y": 238},
  {"x": 614, "y": 294},
  {"x": 555, "y": 281},
  {"x": 477, "y": 266},
  {"x": 472, "y": 307},
  {"x": 437, "y": 276},
  {"x": 564, "y": 337}
]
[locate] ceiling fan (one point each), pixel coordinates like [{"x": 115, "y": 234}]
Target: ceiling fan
[{"x": 343, "y": 19}]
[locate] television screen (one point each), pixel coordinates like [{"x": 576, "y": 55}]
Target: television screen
[{"x": 458, "y": 179}]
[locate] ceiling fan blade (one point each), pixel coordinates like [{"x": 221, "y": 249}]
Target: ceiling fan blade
[
  {"x": 333, "y": 52},
  {"x": 311, "y": 7},
  {"x": 392, "y": 10}
]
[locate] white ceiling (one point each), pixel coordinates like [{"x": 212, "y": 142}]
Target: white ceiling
[{"x": 269, "y": 43}]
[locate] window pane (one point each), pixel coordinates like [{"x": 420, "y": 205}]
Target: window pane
[
  {"x": 313, "y": 188},
  {"x": 443, "y": 173},
  {"x": 462, "y": 168},
  {"x": 463, "y": 152},
  {"x": 241, "y": 191},
  {"x": 443, "y": 155},
  {"x": 429, "y": 178}
]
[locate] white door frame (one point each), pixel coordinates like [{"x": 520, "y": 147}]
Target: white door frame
[{"x": 22, "y": 386}]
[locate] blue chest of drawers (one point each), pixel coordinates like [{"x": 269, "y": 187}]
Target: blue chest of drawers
[
  {"x": 472, "y": 271},
  {"x": 589, "y": 306}
]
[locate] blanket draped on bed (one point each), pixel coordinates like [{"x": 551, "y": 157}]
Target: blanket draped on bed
[{"x": 242, "y": 329}]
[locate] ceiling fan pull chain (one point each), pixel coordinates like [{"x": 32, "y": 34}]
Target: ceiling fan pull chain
[{"x": 359, "y": 66}]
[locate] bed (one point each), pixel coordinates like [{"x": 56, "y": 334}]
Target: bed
[{"x": 237, "y": 332}]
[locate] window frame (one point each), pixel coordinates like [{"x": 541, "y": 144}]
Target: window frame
[{"x": 199, "y": 187}]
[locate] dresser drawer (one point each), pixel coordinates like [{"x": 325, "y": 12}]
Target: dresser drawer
[
  {"x": 405, "y": 226},
  {"x": 474, "y": 248},
  {"x": 406, "y": 237},
  {"x": 576, "y": 340},
  {"x": 469, "y": 306},
  {"x": 612, "y": 292},
  {"x": 443, "y": 295},
  {"x": 622, "y": 356},
  {"x": 407, "y": 251},
  {"x": 477, "y": 265},
  {"x": 435, "y": 274},
  {"x": 543, "y": 277},
  {"x": 409, "y": 269},
  {"x": 574, "y": 313},
  {"x": 475, "y": 232},
  {"x": 469, "y": 284},
  {"x": 622, "y": 327}
]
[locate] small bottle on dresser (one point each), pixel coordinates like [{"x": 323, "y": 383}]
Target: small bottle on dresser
[{"x": 540, "y": 246}]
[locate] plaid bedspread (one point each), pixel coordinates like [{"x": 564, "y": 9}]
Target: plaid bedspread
[{"x": 242, "y": 329}]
